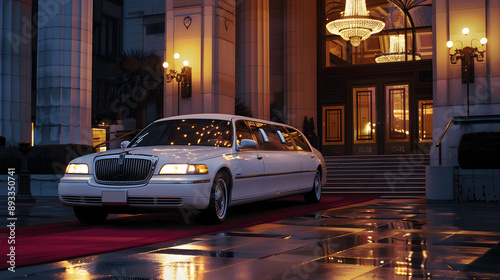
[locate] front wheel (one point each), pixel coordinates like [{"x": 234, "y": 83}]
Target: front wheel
[
  {"x": 217, "y": 208},
  {"x": 90, "y": 215},
  {"x": 314, "y": 196}
]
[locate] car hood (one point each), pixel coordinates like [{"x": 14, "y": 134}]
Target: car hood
[{"x": 173, "y": 154}]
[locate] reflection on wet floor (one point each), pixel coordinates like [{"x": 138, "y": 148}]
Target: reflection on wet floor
[{"x": 383, "y": 239}]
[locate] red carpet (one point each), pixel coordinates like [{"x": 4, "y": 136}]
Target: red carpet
[{"x": 48, "y": 243}]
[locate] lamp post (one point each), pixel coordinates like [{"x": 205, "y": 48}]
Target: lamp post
[
  {"x": 467, "y": 55},
  {"x": 183, "y": 79}
]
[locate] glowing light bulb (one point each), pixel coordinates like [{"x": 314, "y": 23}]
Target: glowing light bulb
[
  {"x": 465, "y": 31},
  {"x": 177, "y": 55},
  {"x": 185, "y": 63},
  {"x": 165, "y": 64},
  {"x": 449, "y": 44},
  {"x": 484, "y": 41}
]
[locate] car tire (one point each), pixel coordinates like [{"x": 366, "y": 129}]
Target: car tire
[
  {"x": 217, "y": 207},
  {"x": 314, "y": 196},
  {"x": 90, "y": 215}
]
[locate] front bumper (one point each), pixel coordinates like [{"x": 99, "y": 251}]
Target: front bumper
[{"x": 160, "y": 192}]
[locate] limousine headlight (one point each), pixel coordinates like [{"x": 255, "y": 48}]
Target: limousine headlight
[
  {"x": 77, "y": 168},
  {"x": 169, "y": 169}
]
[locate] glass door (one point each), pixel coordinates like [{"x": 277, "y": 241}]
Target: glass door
[
  {"x": 364, "y": 121},
  {"x": 397, "y": 119}
]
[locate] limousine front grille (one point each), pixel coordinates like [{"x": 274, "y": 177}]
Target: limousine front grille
[
  {"x": 124, "y": 169},
  {"x": 82, "y": 199},
  {"x": 154, "y": 201}
]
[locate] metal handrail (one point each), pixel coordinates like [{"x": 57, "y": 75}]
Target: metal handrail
[
  {"x": 438, "y": 145},
  {"x": 117, "y": 138}
]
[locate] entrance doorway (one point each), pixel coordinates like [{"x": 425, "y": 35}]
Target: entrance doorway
[{"x": 389, "y": 121}]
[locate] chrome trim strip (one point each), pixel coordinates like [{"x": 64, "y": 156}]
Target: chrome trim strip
[{"x": 274, "y": 174}]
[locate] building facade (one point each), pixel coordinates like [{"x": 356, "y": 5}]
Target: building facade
[{"x": 391, "y": 93}]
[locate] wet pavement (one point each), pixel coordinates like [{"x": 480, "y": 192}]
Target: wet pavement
[{"x": 380, "y": 239}]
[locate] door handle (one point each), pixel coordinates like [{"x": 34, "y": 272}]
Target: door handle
[{"x": 259, "y": 157}]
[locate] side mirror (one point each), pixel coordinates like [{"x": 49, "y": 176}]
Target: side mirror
[
  {"x": 247, "y": 144},
  {"x": 124, "y": 144}
]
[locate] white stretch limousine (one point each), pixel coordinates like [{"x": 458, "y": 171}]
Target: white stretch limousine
[{"x": 204, "y": 162}]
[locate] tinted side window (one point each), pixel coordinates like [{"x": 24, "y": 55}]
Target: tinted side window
[
  {"x": 274, "y": 142},
  {"x": 286, "y": 142},
  {"x": 242, "y": 131},
  {"x": 299, "y": 140},
  {"x": 254, "y": 127}
]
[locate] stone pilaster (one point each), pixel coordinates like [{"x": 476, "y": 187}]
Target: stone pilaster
[
  {"x": 64, "y": 82},
  {"x": 300, "y": 90},
  {"x": 203, "y": 33},
  {"x": 253, "y": 57},
  {"x": 15, "y": 71}
]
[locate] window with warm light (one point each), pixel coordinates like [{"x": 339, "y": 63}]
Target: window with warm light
[
  {"x": 333, "y": 125},
  {"x": 425, "y": 113},
  {"x": 397, "y": 113},
  {"x": 364, "y": 115}
]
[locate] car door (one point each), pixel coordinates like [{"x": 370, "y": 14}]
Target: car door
[
  {"x": 249, "y": 168},
  {"x": 282, "y": 169},
  {"x": 308, "y": 160}
]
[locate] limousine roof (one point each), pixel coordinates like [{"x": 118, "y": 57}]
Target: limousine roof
[{"x": 224, "y": 117}]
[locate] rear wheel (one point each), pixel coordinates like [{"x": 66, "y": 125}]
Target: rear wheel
[
  {"x": 314, "y": 196},
  {"x": 90, "y": 215},
  {"x": 217, "y": 208}
]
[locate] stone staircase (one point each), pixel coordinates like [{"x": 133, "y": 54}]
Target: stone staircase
[{"x": 398, "y": 176}]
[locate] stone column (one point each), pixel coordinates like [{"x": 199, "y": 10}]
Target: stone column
[
  {"x": 203, "y": 33},
  {"x": 253, "y": 57},
  {"x": 300, "y": 90},
  {"x": 64, "y": 85},
  {"x": 15, "y": 71}
]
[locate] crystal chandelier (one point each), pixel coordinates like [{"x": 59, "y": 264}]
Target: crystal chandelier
[
  {"x": 396, "y": 51},
  {"x": 355, "y": 23}
]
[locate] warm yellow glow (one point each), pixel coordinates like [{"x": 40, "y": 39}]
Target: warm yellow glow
[
  {"x": 449, "y": 44},
  {"x": 169, "y": 169},
  {"x": 32, "y": 134},
  {"x": 465, "y": 31},
  {"x": 201, "y": 169},
  {"x": 77, "y": 168},
  {"x": 174, "y": 169},
  {"x": 185, "y": 63},
  {"x": 165, "y": 64},
  {"x": 397, "y": 46},
  {"x": 356, "y": 24},
  {"x": 484, "y": 41},
  {"x": 177, "y": 55},
  {"x": 75, "y": 272}
]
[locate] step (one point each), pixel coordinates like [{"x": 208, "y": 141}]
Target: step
[{"x": 398, "y": 176}]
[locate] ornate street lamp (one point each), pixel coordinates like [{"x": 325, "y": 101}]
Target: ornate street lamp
[
  {"x": 467, "y": 55},
  {"x": 355, "y": 23},
  {"x": 183, "y": 79}
]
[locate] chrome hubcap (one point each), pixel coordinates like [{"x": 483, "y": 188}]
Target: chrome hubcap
[
  {"x": 317, "y": 186},
  {"x": 220, "y": 198}
]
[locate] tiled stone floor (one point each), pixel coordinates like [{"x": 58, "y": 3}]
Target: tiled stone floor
[{"x": 381, "y": 239}]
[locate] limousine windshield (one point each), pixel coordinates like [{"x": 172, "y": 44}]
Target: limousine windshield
[{"x": 191, "y": 132}]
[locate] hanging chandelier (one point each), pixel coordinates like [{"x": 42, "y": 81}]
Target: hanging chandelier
[
  {"x": 396, "y": 51},
  {"x": 355, "y": 23}
]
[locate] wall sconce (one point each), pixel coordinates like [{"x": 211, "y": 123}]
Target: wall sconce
[
  {"x": 183, "y": 79},
  {"x": 467, "y": 55}
]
